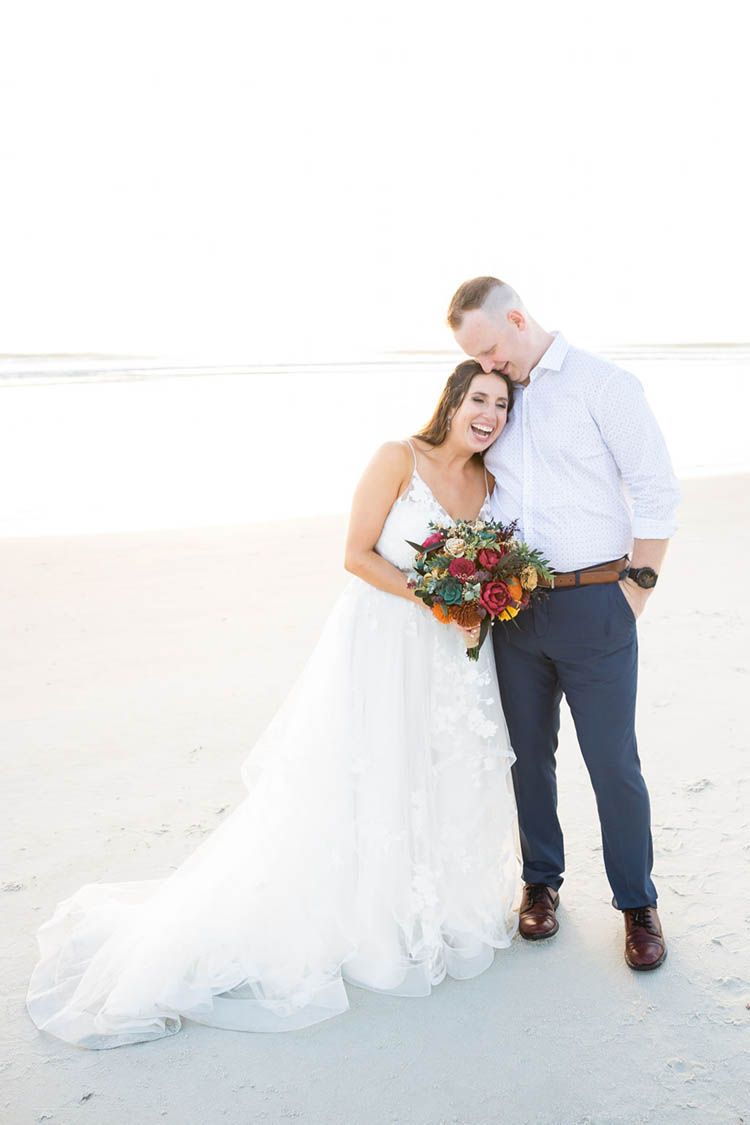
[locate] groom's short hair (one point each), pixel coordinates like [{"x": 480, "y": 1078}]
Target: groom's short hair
[{"x": 473, "y": 295}]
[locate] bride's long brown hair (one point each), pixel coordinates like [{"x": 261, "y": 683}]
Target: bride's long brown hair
[{"x": 454, "y": 393}]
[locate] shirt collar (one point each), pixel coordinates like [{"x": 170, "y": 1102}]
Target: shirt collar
[{"x": 553, "y": 358}]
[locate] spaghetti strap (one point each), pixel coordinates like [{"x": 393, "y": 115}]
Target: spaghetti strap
[
  {"x": 486, "y": 483},
  {"x": 414, "y": 455}
]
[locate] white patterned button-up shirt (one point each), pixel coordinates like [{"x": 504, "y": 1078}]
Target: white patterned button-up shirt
[{"x": 582, "y": 464}]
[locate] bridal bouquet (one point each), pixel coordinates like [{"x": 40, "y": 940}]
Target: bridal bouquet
[{"x": 475, "y": 572}]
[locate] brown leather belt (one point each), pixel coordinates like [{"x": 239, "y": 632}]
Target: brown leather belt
[{"x": 591, "y": 576}]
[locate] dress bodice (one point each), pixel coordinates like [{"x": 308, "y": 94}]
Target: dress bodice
[{"x": 410, "y": 517}]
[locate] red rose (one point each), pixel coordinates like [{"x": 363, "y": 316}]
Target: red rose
[
  {"x": 462, "y": 568},
  {"x": 432, "y": 541},
  {"x": 488, "y": 558},
  {"x": 494, "y": 597}
]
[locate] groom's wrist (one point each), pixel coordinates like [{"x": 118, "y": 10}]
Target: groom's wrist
[{"x": 634, "y": 588}]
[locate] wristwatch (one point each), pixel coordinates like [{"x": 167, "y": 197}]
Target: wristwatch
[{"x": 644, "y": 576}]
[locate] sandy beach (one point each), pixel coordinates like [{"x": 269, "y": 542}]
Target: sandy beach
[{"x": 139, "y": 669}]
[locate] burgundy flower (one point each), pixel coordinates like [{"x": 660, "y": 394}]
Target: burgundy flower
[
  {"x": 462, "y": 568},
  {"x": 432, "y": 541},
  {"x": 489, "y": 558},
  {"x": 495, "y": 597}
]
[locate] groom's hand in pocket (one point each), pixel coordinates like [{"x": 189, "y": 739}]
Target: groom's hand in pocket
[{"x": 635, "y": 596}]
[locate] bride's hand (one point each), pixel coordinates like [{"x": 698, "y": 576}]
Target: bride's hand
[{"x": 470, "y": 634}]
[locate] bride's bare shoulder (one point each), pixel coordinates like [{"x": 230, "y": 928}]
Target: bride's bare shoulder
[
  {"x": 421, "y": 445},
  {"x": 385, "y": 478},
  {"x": 399, "y": 446},
  {"x": 389, "y": 469},
  {"x": 395, "y": 455}
]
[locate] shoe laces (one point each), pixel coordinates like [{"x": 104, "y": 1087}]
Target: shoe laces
[
  {"x": 641, "y": 917},
  {"x": 536, "y": 892}
]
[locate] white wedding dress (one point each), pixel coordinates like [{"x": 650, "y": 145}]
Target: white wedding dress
[{"x": 377, "y": 845}]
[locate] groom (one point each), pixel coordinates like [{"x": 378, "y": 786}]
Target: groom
[{"x": 581, "y": 436}]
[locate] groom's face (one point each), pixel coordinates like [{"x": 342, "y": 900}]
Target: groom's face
[{"x": 496, "y": 342}]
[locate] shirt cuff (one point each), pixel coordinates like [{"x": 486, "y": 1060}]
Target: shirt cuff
[{"x": 644, "y": 528}]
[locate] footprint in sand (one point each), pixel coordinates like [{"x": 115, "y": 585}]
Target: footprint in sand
[
  {"x": 686, "y": 1070},
  {"x": 732, "y": 984},
  {"x": 699, "y": 786}
]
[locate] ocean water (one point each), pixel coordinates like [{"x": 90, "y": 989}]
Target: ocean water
[{"x": 111, "y": 444}]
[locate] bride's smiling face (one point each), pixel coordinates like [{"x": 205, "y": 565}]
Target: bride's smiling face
[{"x": 480, "y": 418}]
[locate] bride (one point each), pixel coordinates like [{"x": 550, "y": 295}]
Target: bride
[{"x": 377, "y": 843}]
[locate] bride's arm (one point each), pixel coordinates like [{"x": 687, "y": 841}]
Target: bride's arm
[{"x": 382, "y": 482}]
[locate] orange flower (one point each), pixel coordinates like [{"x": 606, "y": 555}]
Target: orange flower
[
  {"x": 467, "y": 616},
  {"x": 442, "y": 612},
  {"x": 515, "y": 589}
]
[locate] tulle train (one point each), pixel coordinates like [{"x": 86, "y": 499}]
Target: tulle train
[{"x": 377, "y": 845}]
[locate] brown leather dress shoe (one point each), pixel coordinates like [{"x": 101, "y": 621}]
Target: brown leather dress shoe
[
  {"x": 644, "y": 941},
  {"x": 537, "y": 915}
]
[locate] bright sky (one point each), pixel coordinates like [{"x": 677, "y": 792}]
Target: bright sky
[{"x": 244, "y": 180}]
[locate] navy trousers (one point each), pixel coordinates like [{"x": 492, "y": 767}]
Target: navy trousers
[{"x": 581, "y": 643}]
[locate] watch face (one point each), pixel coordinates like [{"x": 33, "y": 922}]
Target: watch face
[{"x": 646, "y": 577}]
